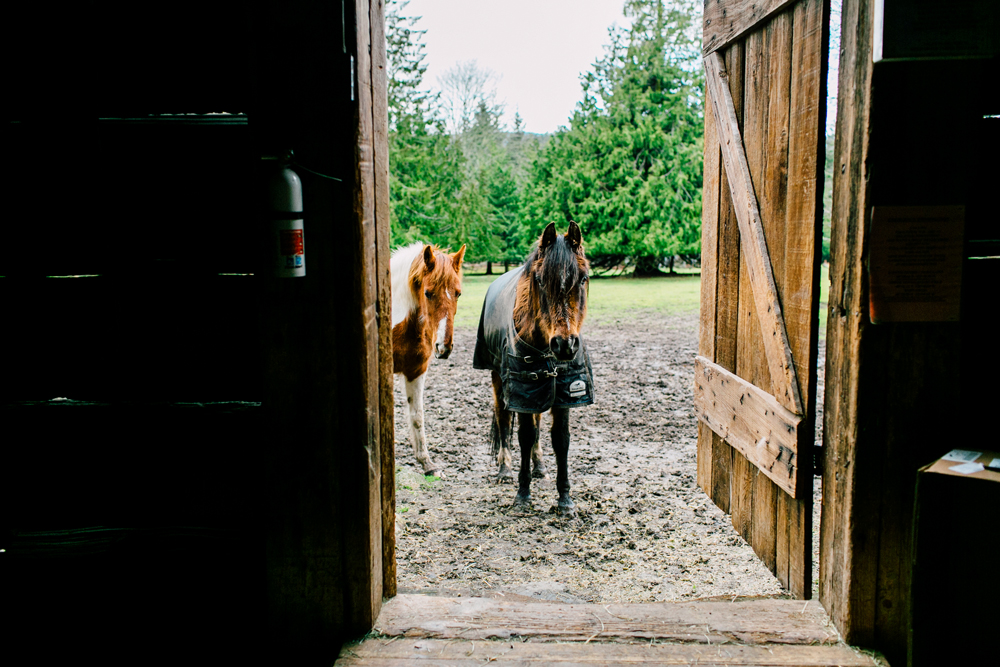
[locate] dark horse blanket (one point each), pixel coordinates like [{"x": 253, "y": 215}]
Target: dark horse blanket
[{"x": 533, "y": 380}]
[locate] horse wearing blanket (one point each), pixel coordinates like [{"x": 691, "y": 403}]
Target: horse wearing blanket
[
  {"x": 529, "y": 338},
  {"x": 426, "y": 284}
]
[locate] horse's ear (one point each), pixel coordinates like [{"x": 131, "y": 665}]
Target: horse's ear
[
  {"x": 457, "y": 258},
  {"x": 429, "y": 257},
  {"x": 548, "y": 236},
  {"x": 574, "y": 236}
]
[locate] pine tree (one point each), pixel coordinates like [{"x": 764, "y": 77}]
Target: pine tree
[
  {"x": 425, "y": 163},
  {"x": 629, "y": 168}
]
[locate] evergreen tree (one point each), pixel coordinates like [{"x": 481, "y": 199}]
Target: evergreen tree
[
  {"x": 629, "y": 168},
  {"x": 425, "y": 163}
]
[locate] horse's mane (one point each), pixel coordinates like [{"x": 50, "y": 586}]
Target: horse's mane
[
  {"x": 403, "y": 300},
  {"x": 560, "y": 261}
]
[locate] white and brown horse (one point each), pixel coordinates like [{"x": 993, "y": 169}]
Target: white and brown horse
[
  {"x": 426, "y": 284},
  {"x": 529, "y": 337}
]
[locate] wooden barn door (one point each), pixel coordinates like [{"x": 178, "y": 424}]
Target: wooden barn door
[{"x": 755, "y": 377}]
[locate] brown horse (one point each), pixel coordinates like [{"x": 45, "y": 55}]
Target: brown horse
[
  {"x": 426, "y": 284},
  {"x": 529, "y": 337}
]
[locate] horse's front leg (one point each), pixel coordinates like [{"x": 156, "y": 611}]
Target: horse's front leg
[
  {"x": 527, "y": 436},
  {"x": 560, "y": 447},
  {"x": 415, "y": 410}
]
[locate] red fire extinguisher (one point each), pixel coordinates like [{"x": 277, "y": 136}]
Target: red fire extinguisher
[{"x": 285, "y": 202}]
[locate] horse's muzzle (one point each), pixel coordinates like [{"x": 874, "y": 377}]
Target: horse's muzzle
[
  {"x": 442, "y": 351},
  {"x": 564, "y": 348}
]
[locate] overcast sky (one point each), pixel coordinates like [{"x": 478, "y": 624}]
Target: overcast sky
[{"x": 539, "y": 48}]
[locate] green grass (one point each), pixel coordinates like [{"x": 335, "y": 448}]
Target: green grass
[
  {"x": 614, "y": 298},
  {"x": 610, "y": 298}
]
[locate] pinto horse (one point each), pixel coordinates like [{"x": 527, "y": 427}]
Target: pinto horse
[
  {"x": 426, "y": 284},
  {"x": 529, "y": 338}
]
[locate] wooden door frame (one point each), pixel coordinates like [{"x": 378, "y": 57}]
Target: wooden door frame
[{"x": 326, "y": 338}]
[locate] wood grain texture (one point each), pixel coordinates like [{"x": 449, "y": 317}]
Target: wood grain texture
[
  {"x": 753, "y": 243},
  {"x": 380, "y": 126},
  {"x": 750, "y": 622},
  {"x": 848, "y": 549},
  {"x": 381, "y": 652},
  {"x": 767, "y": 140},
  {"x": 800, "y": 298},
  {"x": 751, "y": 364},
  {"x": 726, "y": 20},
  {"x": 709, "y": 282},
  {"x": 727, "y": 306},
  {"x": 749, "y": 419},
  {"x": 775, "y": 122},
  {"x": 364, "y": 557}
]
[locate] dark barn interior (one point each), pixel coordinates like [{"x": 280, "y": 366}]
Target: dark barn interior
[
  {"x": 198, "y": 456},
  {"x": 151, "y": 499}
]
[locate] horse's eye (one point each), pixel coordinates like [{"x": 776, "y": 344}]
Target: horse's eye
[
  {"x": 429, "y": 294},
  {"x": 583, "y": 281},
  {"x": 458, "y": 294}
]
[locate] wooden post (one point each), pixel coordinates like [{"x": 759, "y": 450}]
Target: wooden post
[{"x": 323, "y": 335}]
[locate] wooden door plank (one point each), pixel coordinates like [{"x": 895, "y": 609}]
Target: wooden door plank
[
  {"x": 782, "y": 545},
  {"x": 802, "y": 268},
  {"x": 726, "y": 20},
  {"x": 728, "y": 290},
  {"x": 749, "y": 419},
  {"x": 750, "y": 364},
  {"x": 767, "y": 622},
  {"x": 753, "y": 243},
  {"x": 393, "y": 652},
  {"x": 709, "y": 282},
  {"x": 770, "y": 171}
]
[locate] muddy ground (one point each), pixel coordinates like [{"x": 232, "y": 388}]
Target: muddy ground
[{"x": 644, "y": 531}]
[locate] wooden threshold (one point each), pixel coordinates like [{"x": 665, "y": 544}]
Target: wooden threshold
[{"x": 426, "y": 630}]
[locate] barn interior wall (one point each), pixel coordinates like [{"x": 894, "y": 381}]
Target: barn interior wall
[
  {"x": 908, "y": 134},
  {"x": 192, "y": 489}
]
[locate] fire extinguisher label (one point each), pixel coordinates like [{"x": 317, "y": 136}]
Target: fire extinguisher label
[
  {"x": 291, "y": 242},
  {"x": 291, "y": 252}
]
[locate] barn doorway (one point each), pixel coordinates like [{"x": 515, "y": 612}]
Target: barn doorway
[{"x": 647, "y": 531}]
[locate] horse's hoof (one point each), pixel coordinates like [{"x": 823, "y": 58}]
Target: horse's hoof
[
  {"x": 433, "y": 473},
  {"x": 539, "y": 472},
  {"x": 566, "y": 507},
  {"x": 522, "y": 501},
  {"x": 505, "y": 475}
]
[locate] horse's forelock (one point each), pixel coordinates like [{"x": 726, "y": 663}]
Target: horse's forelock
[
  {"x": 559, "y": 266},
  {"x": 439, "y": 277}
]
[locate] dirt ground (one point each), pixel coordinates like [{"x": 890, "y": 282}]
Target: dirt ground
[{"x": 644, "y": 531}]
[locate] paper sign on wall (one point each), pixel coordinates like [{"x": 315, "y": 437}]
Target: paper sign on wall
[{"x": 915, "y": 263}]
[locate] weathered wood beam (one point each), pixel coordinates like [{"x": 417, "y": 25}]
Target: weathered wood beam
[
  {"x": 749, "y": 419},
  {"x": 364, "y": 560},
  {"x": 768, "y": 622},
  {"x": 753, "y": 244},
  {"x": 452, "y": 653},
  {"x": 709, "y": 283},
  {"x": 383, "y": 249},
  {"x": 727, "y": 20}
]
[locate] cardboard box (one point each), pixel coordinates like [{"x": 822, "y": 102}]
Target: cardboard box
[{"x": 955, "y": 589}]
